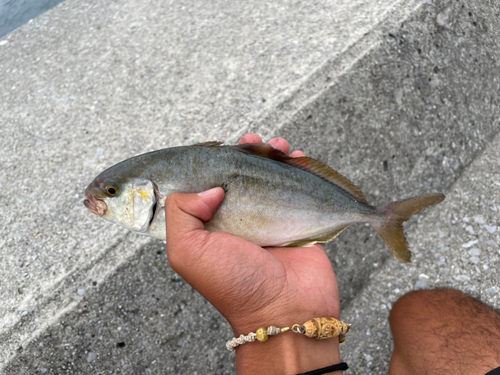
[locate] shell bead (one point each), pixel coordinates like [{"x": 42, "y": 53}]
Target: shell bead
[{"x": 325, "y": 328}]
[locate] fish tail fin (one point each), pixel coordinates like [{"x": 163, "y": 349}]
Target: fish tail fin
[{"x": 390, "y": 228}]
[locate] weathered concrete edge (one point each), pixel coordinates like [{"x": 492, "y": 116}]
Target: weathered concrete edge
[
  {"x": 285, "y": 107},
  {"x": 61, "y": 299}
]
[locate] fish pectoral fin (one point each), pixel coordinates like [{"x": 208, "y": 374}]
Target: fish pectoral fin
[
  {"x": 308, "y": 242},
  {"x": 209, "y": 143}
]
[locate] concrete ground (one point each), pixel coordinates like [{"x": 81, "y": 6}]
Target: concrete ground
[{"x": 401, "y": 97}]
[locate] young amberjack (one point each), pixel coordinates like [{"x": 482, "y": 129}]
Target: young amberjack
[{"x": 271, "y": 199}]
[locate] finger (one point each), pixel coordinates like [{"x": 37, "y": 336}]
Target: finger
[
  {"x": 281, "y": 144},
  {"x": 185, "y": 215},
  {"x": 297, "y": 154},
  {"x": 250, "y": 138}
]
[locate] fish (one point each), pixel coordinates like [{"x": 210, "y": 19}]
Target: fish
[{"x": 271, "y": 199}]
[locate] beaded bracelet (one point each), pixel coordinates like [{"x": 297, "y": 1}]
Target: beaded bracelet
[{"x": 318, "y": 328}]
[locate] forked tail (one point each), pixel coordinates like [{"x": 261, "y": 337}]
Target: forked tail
[{"x": 395, "y": 213}]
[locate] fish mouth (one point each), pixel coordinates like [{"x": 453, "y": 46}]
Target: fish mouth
[{"x": 95, "y": 205}]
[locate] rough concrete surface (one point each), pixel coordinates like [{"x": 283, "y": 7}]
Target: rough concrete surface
[
  {"x": 401, "y": 97},
  {"x": 455, "y": 246}
]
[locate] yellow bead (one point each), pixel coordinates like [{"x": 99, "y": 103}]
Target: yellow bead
[{"x": 261, "y": 334}]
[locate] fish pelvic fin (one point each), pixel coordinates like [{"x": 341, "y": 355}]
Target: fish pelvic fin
[{"x": 394, "y": 214}]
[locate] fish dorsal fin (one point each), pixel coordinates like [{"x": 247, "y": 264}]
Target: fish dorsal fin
[
  {"x": 307, "y": 164},
  {"x": 209, "y": 143},
  {"x": 324, "y": 171}
]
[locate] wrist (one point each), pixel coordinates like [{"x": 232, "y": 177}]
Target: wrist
[
  {"x": 281, "y": 316},
  {"x": 287, "y": 353}
]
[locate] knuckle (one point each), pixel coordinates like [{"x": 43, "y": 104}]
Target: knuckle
[
  {"x": 172, "y": 254},
  {"x": 173, "y": 261},
  {"x": 171, "y": 200}
]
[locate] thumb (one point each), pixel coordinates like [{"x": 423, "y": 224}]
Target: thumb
[
  {"x": 191, "y": 209},
  {"x": 185, "y": 215}
]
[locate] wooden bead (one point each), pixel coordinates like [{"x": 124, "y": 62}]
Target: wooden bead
[{"x": 261, "y": 334}]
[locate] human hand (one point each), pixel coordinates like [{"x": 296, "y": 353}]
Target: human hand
[{"x": 252, "y": 286}]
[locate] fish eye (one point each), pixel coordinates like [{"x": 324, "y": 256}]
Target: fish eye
[{"x": 111, "y": 189}]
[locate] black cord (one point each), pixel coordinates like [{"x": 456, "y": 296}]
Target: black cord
[
  {"x": 494, "y": 371},
  {"x": 325, "y": 370}
]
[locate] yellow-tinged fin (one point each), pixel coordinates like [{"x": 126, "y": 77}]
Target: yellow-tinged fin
[
  {"x": 306, "y": 242},
  {"x": 209, "y": 143},
  {"x": 301, "y": 243},
  {"x": 307, "y": 164},
  {"x": 394, "y": 214}
]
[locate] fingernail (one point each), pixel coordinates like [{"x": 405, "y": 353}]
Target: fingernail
[{"x": 206, "y": 193}]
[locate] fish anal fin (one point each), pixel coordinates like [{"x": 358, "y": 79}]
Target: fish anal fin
[
  {"x": 209, "y": 143},
  {"x": 307, "y": 242},
  {"x": 307, "y": 164},
  {"x": 327, "y": 173},
  {"x": 301, "y": 243}
]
